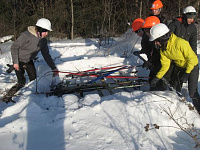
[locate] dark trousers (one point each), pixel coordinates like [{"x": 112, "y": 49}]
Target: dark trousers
[
  {"x": 161, "y": 86},
  {"x": 29, "y": 67},
  {"x": 192, "y": 84},
  {"x": 168, "y": 74},
  {"x": 176, "y": 78},
  {"x": 192, "y": 80}
]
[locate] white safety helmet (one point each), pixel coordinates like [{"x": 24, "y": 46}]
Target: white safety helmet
[
  {"x": 189, "y": 9},
  {"x": 190, "y": 12},
  {"x": 157, "y": 31},
  {"x": 44, "y": 24}
]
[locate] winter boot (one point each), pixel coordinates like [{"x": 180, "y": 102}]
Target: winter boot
[
  {"x": 8, "y": 97},
  {"x": 196, "y": 103}
]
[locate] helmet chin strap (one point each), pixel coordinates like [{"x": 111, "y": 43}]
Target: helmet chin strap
[
  {"x": 40, "y": 30},
  {"x": 39, "y": 34}
]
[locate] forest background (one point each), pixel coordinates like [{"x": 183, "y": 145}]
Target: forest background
[{"x": 83, "y": 18}]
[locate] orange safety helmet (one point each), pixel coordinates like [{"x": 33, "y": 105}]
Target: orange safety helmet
[
  {"x": 157, "y": 4},
  {"x": 150, "y": 22},
  {"x": 137, "y": 24}
]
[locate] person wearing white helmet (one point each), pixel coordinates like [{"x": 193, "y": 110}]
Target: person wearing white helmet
[
  {"x": 190, "y": 12},
  {"x": 185, "y": 28},
  {"x": 25, "y": 49},
  {"x": 178, "y": 50},
  {"x": 44, "y": 24}
]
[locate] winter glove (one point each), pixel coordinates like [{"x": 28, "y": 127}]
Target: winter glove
[
  {"x": 10, "y": 69},
  {"x": 185, "y": 77},
  {"x": 147, "y": 65},
  {"x": 154, "y": 81},
  {"x": 136, "y": 53},
  {"x": 55, "y": 72}
]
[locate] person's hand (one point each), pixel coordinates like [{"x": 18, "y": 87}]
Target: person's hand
[
  {"x": 136, "y": 53},
  {"x": 147, "y": 65},
  {"x": 185, "y": 77},
  {"x": 55, "y": 72},
  {"x": 16, "y": 66},
  {"x": 154, "y": 81}
]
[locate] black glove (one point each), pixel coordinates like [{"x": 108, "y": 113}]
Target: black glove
[
  {"x": 136, "y": 53},
  {"x": 154, "y": 81},
  {"x": 147, "y": 64},
  {"x": 185, "y": 77},
  {"x": 10, "y": 69}
]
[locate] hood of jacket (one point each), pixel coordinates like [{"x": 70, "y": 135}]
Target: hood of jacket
[{"x": 32, "y": 30}]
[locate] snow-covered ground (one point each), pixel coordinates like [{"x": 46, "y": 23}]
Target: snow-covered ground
[{"x": 134, "y": 120}]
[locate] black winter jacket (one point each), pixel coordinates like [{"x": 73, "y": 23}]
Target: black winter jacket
[
  {"x": 161, "y": 18},
  {"x": 152, "y": 53},
  {"x": 182, "y": 29}
]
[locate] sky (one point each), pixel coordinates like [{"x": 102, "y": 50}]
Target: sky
[{"x": 124, "y": 119}]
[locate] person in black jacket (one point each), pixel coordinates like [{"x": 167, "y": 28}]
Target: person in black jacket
[
  {"x": 185, "y": 28},
  {"x": 152, "y": 52},
  {"x": 137, "y": 26},
  {"x": 156, "y": 8}
]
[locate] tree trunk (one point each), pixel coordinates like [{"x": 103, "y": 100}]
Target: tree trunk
[
  {"x": 179, "y": 7},
  {"x": 72, "y": 25},
  {"x": 141, "y": 9},
  {"x": 197, "y": 5}
]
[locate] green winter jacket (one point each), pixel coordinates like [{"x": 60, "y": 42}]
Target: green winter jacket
[{"x": 180, "y": 51}]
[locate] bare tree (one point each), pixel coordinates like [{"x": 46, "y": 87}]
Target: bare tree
[
  {"x": 72, "y": 20},
  {"x": 83, "y": 18}
]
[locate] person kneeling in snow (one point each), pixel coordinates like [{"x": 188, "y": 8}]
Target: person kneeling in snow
[
  {"x": 173, "y": 48},
  {"x": 27, "y": 46}
]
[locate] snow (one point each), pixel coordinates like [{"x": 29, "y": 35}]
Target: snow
[
  {"x": 6, "y": 38},
  {"x": 110, "y": 122}
]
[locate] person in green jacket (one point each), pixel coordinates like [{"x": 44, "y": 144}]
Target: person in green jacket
[{"x": 173, "y": 48}]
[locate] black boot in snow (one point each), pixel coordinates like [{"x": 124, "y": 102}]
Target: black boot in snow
[
  {"x": 196, "y": 103},
  {"x": 8, "y": 97}
]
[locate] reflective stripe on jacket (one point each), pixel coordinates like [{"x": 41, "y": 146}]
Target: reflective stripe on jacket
[{"x": 180, "y": 51}]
